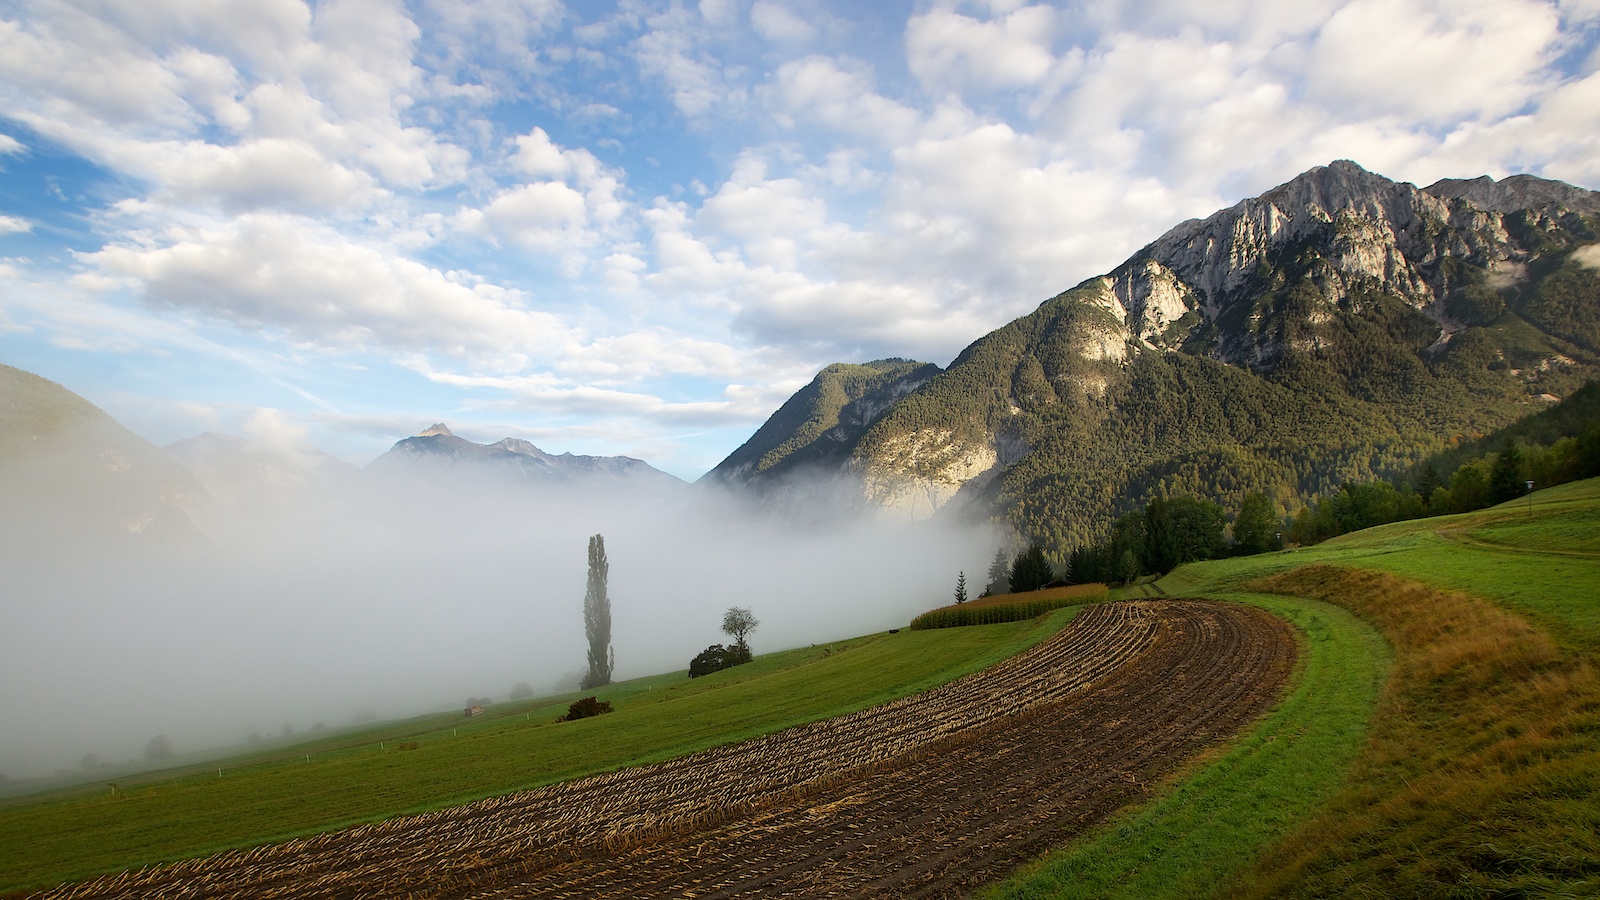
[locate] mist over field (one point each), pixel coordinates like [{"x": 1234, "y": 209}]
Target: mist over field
[{"x": 394, "y": 596}]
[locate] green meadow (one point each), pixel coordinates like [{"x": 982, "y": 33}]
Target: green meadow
[
  {"x": 1442, "y": 738},
  {"x": 364, "y": 776}
]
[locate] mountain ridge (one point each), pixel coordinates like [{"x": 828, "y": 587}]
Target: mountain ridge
[
  {"x": 1339, "y": 326},
  {"x": 438, "y": 451}
]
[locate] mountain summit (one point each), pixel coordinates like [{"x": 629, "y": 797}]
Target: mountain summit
[{"x": 1339, "y": 326}]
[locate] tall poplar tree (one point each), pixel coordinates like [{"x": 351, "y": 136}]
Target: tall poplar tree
[{"x": 597, "y": 617}]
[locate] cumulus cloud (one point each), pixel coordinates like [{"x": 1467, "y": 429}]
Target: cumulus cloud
[
  {"x": 664, "y": 213},
  {"x": 1432, "y": 62},
  {"x": 779, "y": 24},
  {"x": 267, "y": 271},
  {"x": 948, "y": 50}
]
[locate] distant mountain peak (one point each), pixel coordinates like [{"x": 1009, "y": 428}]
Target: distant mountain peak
[{"x": 437, "y": 428}]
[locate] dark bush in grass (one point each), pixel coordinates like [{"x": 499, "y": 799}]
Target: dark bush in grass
[
  {"x": 716, "y": 657},
  {"x": 1009, "y": 607},
  {"x": 586, "y": 708}
]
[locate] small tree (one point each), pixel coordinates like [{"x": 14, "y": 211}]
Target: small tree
[
  {"x": 521, "y": 690},
  {"x": 738, "y": 622},
  {"x": 1254, "y": 528},
  {"x": 597, "y": 617},
  {"x": 159, "y": 748},
  {"x": 1505, "y": 478},
  {"x": 961, "y": 587},
  {"x": 999, "y": 574}
]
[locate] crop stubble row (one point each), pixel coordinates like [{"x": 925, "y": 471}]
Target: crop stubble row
[{"x": 927, "y": 795}]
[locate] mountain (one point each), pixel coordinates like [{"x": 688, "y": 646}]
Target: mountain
[
  {"x": 438, "y": 452},
  {"x": 69, "y": 472},
  {"x": 241, "y": 473},
  {"x": 1340, "y": 326},
  {"x": 818, "y": 427}
]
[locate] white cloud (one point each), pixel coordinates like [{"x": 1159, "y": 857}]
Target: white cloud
[
  {"x": 14, "y": 225},
  {"x": 824, "y": 90},
  {"x": 947, "y": 50},
  {"x": 284, "y": 273},
  {"x": 9, "y": 144},
  {"x": 1432, "y": 61},
  {"x": 671, "y": 50},
  {"x": 779, "y": 24}
]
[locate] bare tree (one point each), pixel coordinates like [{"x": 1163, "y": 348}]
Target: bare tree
[
  {"x": 737, "y": 622},
  {"x": 597, "y": 617}
]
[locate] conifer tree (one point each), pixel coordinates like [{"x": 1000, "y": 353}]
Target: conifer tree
[
  {"x": 597, "y": 617},
  {"x": 961, "y": 587},
  {"x": 999, "y": 574},
  {"x": 1505, "y": 479}
]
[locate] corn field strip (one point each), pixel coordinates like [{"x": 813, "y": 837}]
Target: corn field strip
[{"x": 923, "y": 796}]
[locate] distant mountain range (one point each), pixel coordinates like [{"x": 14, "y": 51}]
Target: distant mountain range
[
  {"x": 1340, "y": 326},
  {"x": 70, "y": 472},
  {"x": 437, "y": 451}
]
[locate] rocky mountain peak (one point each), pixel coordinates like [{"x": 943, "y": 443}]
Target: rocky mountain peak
[
  {"x": 436, "y": 429},
  {"x": 1339, "y": 294}
]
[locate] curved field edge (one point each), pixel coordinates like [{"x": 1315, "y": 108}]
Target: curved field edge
[
  {"x": 1480, "y": 773},
  {"x": 458, "y": 761},
  {"x": 1212, "y": 821}
]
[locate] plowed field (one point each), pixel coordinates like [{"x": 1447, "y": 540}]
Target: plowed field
[{"x": 928, "y": 796}]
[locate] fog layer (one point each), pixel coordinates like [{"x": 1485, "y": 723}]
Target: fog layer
[{"x": 396, "y": 596}]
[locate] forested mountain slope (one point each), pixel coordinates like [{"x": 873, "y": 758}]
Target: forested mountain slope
[{"x": 1340, "y": 326}]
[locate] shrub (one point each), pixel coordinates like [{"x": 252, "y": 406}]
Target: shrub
[
  {"x": 716, "y": 657},
  {"x": 586, "y": 708}
]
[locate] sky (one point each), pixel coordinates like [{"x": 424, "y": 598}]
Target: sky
[{"x": 637, "y": 227}]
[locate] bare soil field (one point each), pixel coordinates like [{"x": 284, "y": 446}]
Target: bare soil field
[{"x": 929, "y": 796}]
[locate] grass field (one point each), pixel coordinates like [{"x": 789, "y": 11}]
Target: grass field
[
  {"x": 1479, "y": 774},
  {"x": 1441, "y": 738},
  {"x": 349, "y": 779}
]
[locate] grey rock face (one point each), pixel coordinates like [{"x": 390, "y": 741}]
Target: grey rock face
[{"x": 1343, "y": 230}]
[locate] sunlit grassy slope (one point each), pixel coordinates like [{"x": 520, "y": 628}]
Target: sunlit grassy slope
[
  {"x": 350, "y": 778},
  {"x": 1473, "y": 772}
]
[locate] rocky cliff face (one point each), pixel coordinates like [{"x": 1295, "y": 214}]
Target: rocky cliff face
[
  {"x": 1344, "y": 232},
  {"x": 1339, "y": 297}
]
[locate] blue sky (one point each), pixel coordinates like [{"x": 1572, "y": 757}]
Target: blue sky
[{"x": 637, "y": 227}]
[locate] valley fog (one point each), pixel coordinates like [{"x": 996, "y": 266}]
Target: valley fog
[{"x": 389, "y": 597}]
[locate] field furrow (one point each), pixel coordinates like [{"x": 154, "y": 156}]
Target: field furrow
[{"x": 925, "y": 796}]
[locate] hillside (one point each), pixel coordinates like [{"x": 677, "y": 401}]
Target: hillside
[
  {"x": 1340, "y": 326},
  {"x": 71, "y": 473}
]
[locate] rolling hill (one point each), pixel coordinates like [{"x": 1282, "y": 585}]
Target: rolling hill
[{"x": 71, "y": 473}]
